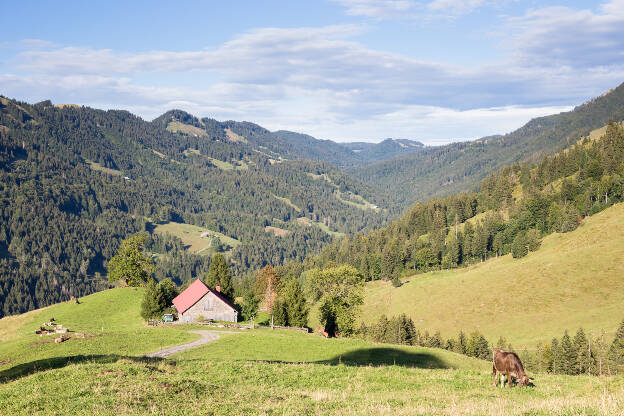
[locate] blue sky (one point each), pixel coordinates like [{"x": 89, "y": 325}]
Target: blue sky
[{"x": 431, "y": 70}]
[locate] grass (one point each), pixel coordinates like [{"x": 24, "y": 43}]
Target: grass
[
  {"x": 287, "y": 202},
  {"x": 276, "y": 231},
  {"x": 256, "y": 372},
  {"x": 360, "y": 202},
  {"x": 96, "y": 166},
  {"x": 177, "y": 127},
  {"x": 233, "y": 137},
  {"x": 191, "y": 236},
  {"x": 574, "y": 280},
  {"x": 109, "y": 320},
  {"x": 308, "y": 222}
]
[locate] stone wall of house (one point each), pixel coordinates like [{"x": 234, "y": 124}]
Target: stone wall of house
[{"x": 210, "y": 307}]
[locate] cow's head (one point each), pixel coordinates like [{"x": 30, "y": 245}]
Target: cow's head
[{"x": 525, "y": 381}]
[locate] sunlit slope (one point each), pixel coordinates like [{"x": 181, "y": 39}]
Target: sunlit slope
[{"x": 574, "y": 279}]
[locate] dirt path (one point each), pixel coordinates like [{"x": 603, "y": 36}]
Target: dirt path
[{"x": 206, "y": 337}]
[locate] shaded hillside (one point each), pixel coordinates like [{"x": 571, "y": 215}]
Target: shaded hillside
[{"x": 457, "y": 167}]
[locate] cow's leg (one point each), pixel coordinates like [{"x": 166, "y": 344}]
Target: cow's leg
[
  {"x": 502, "y": 380},
  {"x": 509, "y": 380},
  {"x": 495, "y": 374}
]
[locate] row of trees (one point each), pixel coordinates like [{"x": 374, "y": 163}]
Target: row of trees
[
  {"x": 580, "y": 354},
  {"x": 401, "y": 330}
]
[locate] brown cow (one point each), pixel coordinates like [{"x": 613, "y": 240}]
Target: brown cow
[{"x": 507, "y": 363}]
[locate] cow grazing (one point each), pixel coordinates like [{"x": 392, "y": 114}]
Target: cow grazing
[{"x": 507, "y": 363}]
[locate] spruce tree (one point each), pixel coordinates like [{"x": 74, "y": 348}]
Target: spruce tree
[
  {"x": 219, "y": 275},
  {"x": 557, "y": 358},
  {"x": 460, "y": 346},
  {"x": 519, "y": 247},
  {"x": 280, "y": 314},
  {"x": 249, "y": 308},
  {"x": 295, "y": 303},
  {"x": 616, "y": 351},
  {"x": 568, "y": 354},
  {"x": 583, "y": 358},
  {"x": 153, "y": 302}
]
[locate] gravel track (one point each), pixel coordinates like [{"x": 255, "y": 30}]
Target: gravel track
[{"x": 206, "y": 337}]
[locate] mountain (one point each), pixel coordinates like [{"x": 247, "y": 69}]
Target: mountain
[
  {"x": 444, "y": 170},
  {"x": 75, "y": 181},
  {"x": 384, "y": 150},
  {"x": 512, "y": 210}
]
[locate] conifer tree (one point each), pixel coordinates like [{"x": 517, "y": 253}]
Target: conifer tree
[
  {"x": 279, "y": 313},
  {"x": 295, "y": 303},
  {"x": 153, "y": 302},
  {"x": 583, "y": 358},
  {"x": 219, "y": 275},
  {"x": 249, "y": 308},
  {"x": 461, "y": 343},
  {"x": 519, "y": 246},
  {"x": 557, "y": 357},
  {"x": 616, "y": 351},
  {"x": 568, "y": 354}
]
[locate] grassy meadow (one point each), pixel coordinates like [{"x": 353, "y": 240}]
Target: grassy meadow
[
  {"x": 574, "y": 280},
  {"x": 254, "y": 372},
  {"x": 191, "y": 236}
]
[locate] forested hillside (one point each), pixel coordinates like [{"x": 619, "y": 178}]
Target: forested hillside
[
  {"x": 75, "y": 181},
  {"x": 444, "y": 170},
  {"x": 509, "y": 214}
]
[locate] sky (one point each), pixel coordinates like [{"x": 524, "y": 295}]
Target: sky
[{"x": 431, "y": 70}]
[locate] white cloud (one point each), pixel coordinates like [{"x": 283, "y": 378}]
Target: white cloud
[
  {"x": 378, "y": 8},
  {"x": 563, "y": 36},
  {"x": 455, "y": 6},
  {"x": 320, "y": 81}
]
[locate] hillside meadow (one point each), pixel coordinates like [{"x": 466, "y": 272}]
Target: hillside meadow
[
  {"x": 574, "y": 280},
  {"x": 254, "y": 372}
]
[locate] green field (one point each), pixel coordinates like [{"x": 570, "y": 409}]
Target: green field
[
  {"x": 574, "y": 280},
  {"x": 177, "y": 127},
  {"x": 100, "y": 168},
  {"x": 191, "y": 236},
  {"x": 255, "y": 372}
]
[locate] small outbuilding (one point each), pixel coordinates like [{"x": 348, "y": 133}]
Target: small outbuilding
[{"x": 199, "y": 302}]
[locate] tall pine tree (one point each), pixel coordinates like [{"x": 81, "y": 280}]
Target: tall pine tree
[
  {"x": 219, "y": 275},
  {"x": 616, "y": 351}
]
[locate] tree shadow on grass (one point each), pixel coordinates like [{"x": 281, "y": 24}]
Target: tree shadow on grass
[
  {"x": 387, "y": 356},
  {"x": 378, "y": 357},
  {"x": 32, "y": 367}
]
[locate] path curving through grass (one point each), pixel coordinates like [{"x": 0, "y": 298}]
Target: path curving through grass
[{"x": 206, "y": 337}]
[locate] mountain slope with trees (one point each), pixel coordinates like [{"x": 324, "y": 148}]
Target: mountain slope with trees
[
  {"x": 444, "y": 170},
  {"x": 75, "y": 181}
]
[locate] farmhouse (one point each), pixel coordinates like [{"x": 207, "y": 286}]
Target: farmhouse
[{"x": 199, "y": 302}]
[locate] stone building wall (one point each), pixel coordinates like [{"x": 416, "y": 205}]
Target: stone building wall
[{"x": 210, "y": 307}]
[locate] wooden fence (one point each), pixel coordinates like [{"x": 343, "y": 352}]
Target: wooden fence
[{"x": 225, "y": 325}]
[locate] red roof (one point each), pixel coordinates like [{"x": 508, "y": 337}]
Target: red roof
[
  {"x": 190, "y": 296},
  {"x": 193, "y": 294}
]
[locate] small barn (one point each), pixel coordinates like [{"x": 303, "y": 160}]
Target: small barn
[{"x": 199, "y": 302}]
